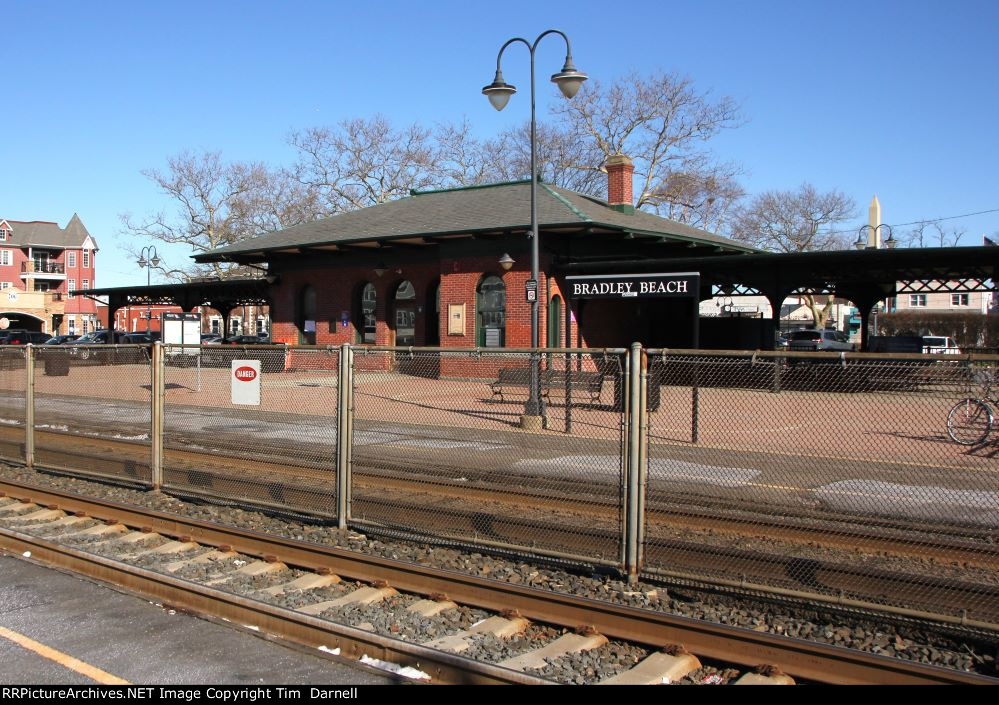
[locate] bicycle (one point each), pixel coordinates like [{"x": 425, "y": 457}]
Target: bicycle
[{"x": 970, "y": 421}]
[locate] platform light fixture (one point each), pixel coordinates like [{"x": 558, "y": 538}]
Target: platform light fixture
[{"x": 498, "y": 92}]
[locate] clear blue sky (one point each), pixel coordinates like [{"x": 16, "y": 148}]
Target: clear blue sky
[{"x": 895, "y": 98}]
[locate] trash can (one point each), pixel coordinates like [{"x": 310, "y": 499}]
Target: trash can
[{"x": 56, "y": 362}]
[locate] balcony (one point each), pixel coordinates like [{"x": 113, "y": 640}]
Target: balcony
[{"x": 43, "y": 270}]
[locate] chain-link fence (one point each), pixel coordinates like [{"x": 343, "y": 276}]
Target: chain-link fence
[
  {"x": 823, "y": 473},
  {"x": 278, "y": 451},
  {"x": 13, "y": 388},
  {"x": 848, "y": 476},
  {"x": 439, "y": 449},
  {"x": 92, "y": 410}
]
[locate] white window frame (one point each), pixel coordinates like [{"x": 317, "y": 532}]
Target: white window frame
[
  {"x": 70, "y": 285},
  {"x": 86, "y": 284},
  {"x": 86, "y": 259},
  {"x": 5, "y": 285},
  {"x": 917, "y": 301},
  {"x": 4, "y": 233},
  {"x": 6, "y": 258},
  {"x": 71, "y": 259},
  {"x": 960, "y": 300}
]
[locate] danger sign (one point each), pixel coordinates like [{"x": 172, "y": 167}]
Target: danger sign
[
  {"x": 245, "y": 374},
  {"x": 245, "y": 382}
]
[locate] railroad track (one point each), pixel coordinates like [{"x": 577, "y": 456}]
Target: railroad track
[
  {"x": 388, "y": 496},
  {"x": 296, "y": 590}
]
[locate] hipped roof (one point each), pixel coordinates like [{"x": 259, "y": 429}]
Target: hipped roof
[{"x": 478, "y": 209}]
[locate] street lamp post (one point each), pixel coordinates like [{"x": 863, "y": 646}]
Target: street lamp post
[
  {"x": 499, "y": 91},
  {"x": 153, "y": 261}
]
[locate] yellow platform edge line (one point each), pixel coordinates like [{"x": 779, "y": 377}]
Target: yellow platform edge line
[{"x": 62, "y": 659}]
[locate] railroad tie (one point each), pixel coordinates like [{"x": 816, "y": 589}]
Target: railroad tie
[
  {"x": 760, "y": 679},
  {"x": 431, "y": 608},
  {"x": 99, "y": 530},
  {"x": 129, "y": 538},
  {"x": 657, "y": 669},
  {"x": 565, "y": 644},
  {"x": 362, "y": 596},
  {"x": 205, "y": 557},
  {"x": 64, "y": 521},
  {"x": 500, "y": 627},
  {"x": 309, "y": 581},
  {"x": 41, "y": 514},
  {"x": 15, "y": 508},
  {"x": 252, "y": 568},
  {"x": 169, "y": 547}
]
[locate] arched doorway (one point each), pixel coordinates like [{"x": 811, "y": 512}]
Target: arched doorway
[
  {"x": 432, "y": 334},
  {"x": 490, "y": 310},
  {"x": 404, "y": 310},
  {"x": 307, "y": 315},
  {"x": 364, "y": 314},
  {"x": 554, "y": 322}
]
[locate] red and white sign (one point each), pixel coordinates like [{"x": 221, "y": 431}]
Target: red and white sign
[{"x": 245, "y": 382}]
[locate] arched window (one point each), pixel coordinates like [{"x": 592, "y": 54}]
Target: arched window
[
  {"x": 307, "y": 316},
  {"x": 405, "y": 314},
  {"x": 366, "y": 320},
  {"x": 491, "y": 313}
]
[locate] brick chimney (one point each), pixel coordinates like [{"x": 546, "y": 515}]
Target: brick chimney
[{"x": 619, "y": 172}]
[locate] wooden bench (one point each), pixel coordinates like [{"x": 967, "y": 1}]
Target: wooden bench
[
  {"x": 590, "y": 382},
  {"x": 515, "y": 377},
  {"x": 510, "y": 377}
]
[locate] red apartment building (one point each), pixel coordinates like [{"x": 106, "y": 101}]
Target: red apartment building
[{"x": 40, "y": 263}]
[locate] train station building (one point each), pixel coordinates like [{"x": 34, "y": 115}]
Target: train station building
[{"x": 452, "y": 268}]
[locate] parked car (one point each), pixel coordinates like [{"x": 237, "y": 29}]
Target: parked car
[
  {"x": 5, "y": 334},
  {"x": 247, "y": 340},
  {"x": 61, "y": 339},
  {"x": 100, "y": 337},
  {"x": 812, "y": 340},
  {"x": 136, "y": 339},
  {"x": 211, "y": 339},
  {"x": 940, "y": 345},
  {"x": 23, "y": 337}
]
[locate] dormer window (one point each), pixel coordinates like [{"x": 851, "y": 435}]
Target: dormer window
[{"x": 4, "y": 233}]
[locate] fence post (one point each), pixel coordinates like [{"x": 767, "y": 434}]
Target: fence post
[
  {"x": 158, "y": 390},
  {"x": 633, "y": 493},
  {"x": 29, "y": 406},
  {"x": 344, "y": 433}
]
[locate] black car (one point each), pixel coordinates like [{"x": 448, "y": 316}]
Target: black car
[
  {"x": 23, "y": 337},
  {"x": 87, "y": 347},
  {"x": 61, "y": 339}
]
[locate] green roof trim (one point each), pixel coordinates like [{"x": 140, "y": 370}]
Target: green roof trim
[
  {"x": 567, "y": 203},
  {"x": 416, "y": 192}
]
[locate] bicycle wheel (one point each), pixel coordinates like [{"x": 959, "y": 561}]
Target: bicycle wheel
[{"x": 969, "y": 422}]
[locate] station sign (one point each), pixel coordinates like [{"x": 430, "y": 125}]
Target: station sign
[
  {"x": 245, "y": 382},
  {"x": 634, "y": 286}
]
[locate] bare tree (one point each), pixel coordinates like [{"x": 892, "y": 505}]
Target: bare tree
[
  {"x": 932, "y": 233},
  {"x": 796, "y": 221},
  {"x": 364, "y": 162},
  {"x": 663, "y": 123},
  {"x": 216, "y": 204}
]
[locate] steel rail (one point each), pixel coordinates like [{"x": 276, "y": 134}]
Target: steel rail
[
  {"x": 277, "y": 621},
  {"x": 803, "y": 659}
]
